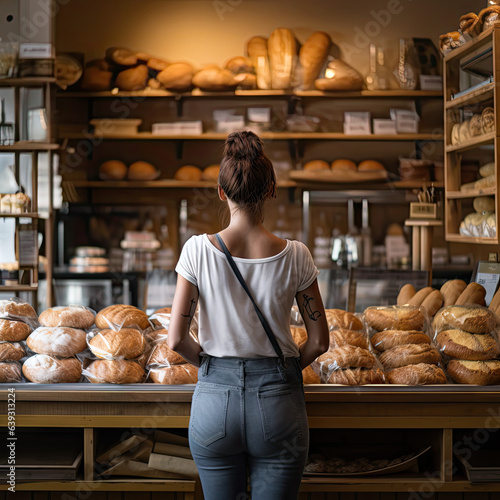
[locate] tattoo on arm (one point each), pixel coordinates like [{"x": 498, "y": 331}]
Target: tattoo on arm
[
  {"x": 191, "y": 310},
  {"x": 306, "y": 306}
]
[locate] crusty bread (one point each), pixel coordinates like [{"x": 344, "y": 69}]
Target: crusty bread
[
  {"x": 176, "y": 76},
  {"x": 126, "y": 343},
  {"x": 356, "y": 376},
  {"x": 71, "y": 316},
  {"x": 114, "y": 371},
  {"x": 316, "y": 165},
  {"x": 337, "y": 318},
  {"x": 11, "y": 351},
  {"x": 494, "y": 304},
  {"x": 394, "y": 318},
  {"x": 343, "y": 164},
  {"x": 175, "y": 374},
  {"x": 473, "y": 294},
  {"x": 420, "y": 296},
  {"x": 163, "y": 355},
  {"x": 309, "y": 376},
  {"x": 13, "y": 331},
  {"x": 472, "y": 319},
  {"x": 405, "y": 294},
  {"x": 16, "y": 309},
  {"x": 432, "y": 303},
  {"x": 382, "y": 341},
  {"x": 339, "y": 338},
  {"x": 409, "y": 354},
  {"x": 451, "y": 290},
  {"x": 312, "y": 56},
  {"x": 188, "y": 173},
  {"x": 164, "y": 315},
  {"x": 43, "y": 369},
  {"x": 299, "y": 334},
  {"x": 419, "y": 374},
  {"x": 474, "y": 372},
  {"x": 463, "y": 345},
  {"x": 10, "y": 372},
  {"x": 57, "y": 341},
  {"x": 121, "y": 316},
  {"x": 346, "y": 357},
  {"x": 157, "y": 336}
]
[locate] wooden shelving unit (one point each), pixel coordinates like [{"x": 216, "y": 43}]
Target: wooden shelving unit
[{"x": 457, "y": 202}]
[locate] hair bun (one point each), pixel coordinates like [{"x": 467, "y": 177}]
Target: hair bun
[{"x": 243, "y": 145}]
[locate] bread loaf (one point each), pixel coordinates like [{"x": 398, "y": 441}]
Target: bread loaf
[
  {"x": 211, "y": 173},
  {"x": 43, "y": 369},
  {"x": 346, "y": 357},
  {"x": 432, "y": 303},
  {"x": 13, "y": 331},
  {"x": 485, "y": 182},
  {"x": 337, "y": 318},
  {"x": 282, "y": 50},
  {"x": 455, "y": 134},
  {"x": 475, "y": 125},
  {"x": 341, "y": 337},
  {"x": 175, "y": 374},
  {"x": 464, "y": 131},
  {"x": 383, "y": 341},
  {"x": 112, "y": 170},
  {"x": 451, "y": 290},
  {"x": 409, "y": 354},
  {"x": 257, "y": 51},
  {"x": 161, "y": 317},
  {"x": 474, "y": 372},
  {"x": 215, "y": 79},
  {"x": 157, "y": 64},
  {"x": 489, "y": 16},
  {"x": 10, "y": 371},
  {"x": 420, "y": 296},
  {"x": 494, "y": 305},
  {"x": 419, "y": 374},
  {"x": 95, "y": 79},
  {"x": 16, "y": 309},
  {"x": 463, "y": 345},
  {"x": 370, "y": 166},
  {"x": 394, "y": 318},
  {"x": 356, "y": 376},
  {"x": 405, "y": 294},
  {"x": 487, "y": 124},
  {"x": 70, "y": 316},
  {"x": 133, "y": 78},
  {"x": 163, "y": 355},
  {"x": 312, "y": 56},
  {"x": 299, "y": 334},
  {"x": 188, "y": 173},
  {"x": 126, "y": 343},
  {"x": 240, "y": 64},
  {"x": 142, "y": 171},
  {"x": 316, "y": 165},
  {"x": 473, "y": 294},
  {"x": 343, "y": 164},
  {"x": 309, "y": 376},
  {"x": 57, "y": 341},
  {"x": 121, "y": 316},
  {"x": 176, "y": 76},
  {"x": 484, "y": 204},
  {"x": 114, "y": 371},
  {"x": 11, "y": 351},
  {"x": 340, "y": 76},
  {"x": 471, "y": 319}
]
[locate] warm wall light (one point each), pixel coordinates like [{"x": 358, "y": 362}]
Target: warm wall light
[{"x": 329, "y": 73}]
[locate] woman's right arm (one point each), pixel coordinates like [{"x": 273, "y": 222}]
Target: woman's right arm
[{"x": 313, "y": 313}]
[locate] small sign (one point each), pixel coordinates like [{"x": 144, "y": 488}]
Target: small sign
[
  {"x": 35, "y": 51},
  {"x": 488, "y": 275},
  {"x": 423, "y": 211}
]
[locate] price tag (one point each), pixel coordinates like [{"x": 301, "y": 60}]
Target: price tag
[{"x": 488, "y": 276}]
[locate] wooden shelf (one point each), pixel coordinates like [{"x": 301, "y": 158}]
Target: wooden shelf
[
  {"x": 26, "y": 215},
  {"x": 34, "y": 81},
  {"x": 473, "y": 97},
  {"x": 159, "y": 184},
  {"x": 473, "y": 193},
  {"x": 29, "y": 146},
  {"x": 369, "y": 93},
  {"x": 470, "y": 45},
  {"x": 18, "y": 288},
  {"x": 458, "y": 238},
  {"x": 415, "y": 184},
  {"x": 472, "y": 143}
]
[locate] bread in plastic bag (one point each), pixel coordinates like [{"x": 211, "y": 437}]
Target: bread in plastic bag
[
  {"x": 161, "y": 318},
  {"x": 114, "y": 371},
  {"x": 409, "y": 354},
  {"x": 299, "y": 334},
  {"x": 342, "y": 337},
  {"x": 128, "y": 343},
  {"x": 296, "y": 317},
  {"x": 339, "y": 319},
  {"x": 356, "y": 376},
  {"x": 43, "y": 369},
  {"x": 57, "y": 341},
  {"x": 344, "y": 357},
  {"x": 14, "y": 331},
  {"x": 10, "y": 371},
  {"x": 309, "y": 376},
  {"x": 469, "y": 318},
  {"x": 11, "y": 351},
  {"x": 161, "y": 354},
  {"x": 121, "y": 316},
  {"x": 71, "y": 316},
  {"x": 474, "y": 372},
  {"x": 418, "y": 374},
  {"x": 18, "y": 310},
  {"x": 174, "y": 374},
  {"x": 387, "y": 339},
  {"x": 459, "y": 344},
  {"x": 395, "y": 318}
]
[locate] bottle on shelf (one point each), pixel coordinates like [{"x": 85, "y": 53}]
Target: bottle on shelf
[
  {"x": 406, "y": 72},
  {"x": 378, "y": 77}
]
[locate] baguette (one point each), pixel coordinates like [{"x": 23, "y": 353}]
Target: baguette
[
  {"x": 312, "y": 56},
  {"x": 432, "y": 303},
  {"x": 473, "y": 294},
  {"x": 257, "y": 51},
  {"x": 495, "y": 303},
  {"x": 405, "y": 294},
  {"x": 420, "y": 296},
  {"x": 451, "y": 290}
]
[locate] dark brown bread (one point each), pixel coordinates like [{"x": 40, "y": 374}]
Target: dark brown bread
[
  {"x": 356, "y": 376},
  {"x": 419, "y": 374},
  {"x": 474, "y": 372},
  {"x": 382, "y": 341},
  {"x": 463, "y": 345},
  {"x": 409, "y": 354}
]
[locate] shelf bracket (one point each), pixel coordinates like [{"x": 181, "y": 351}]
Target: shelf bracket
[
  {"x": 293, "y": 103},
  {"x": 296, "y": 149},
  {"x": 179, "y": 147},
  {"x": 179, "y": 103},
  {"x": 418, "y": 150}
]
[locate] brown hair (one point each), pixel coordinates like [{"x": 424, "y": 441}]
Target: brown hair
[{"x": 246, "y": 174}]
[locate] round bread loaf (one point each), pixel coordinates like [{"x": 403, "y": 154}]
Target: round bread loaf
[
  {"x": 11, "y": 351},
  {"x": 175, "y": 374},
  {"x": 163, "y": 355},
  {"x": 43, "y": 369},
  {"x": 13, "y": 331},
  {"x": 316, "y": 165},
  {"x": 114, "y": 371},
  {"x": 127, "y": 343},
  {"x": 211, "y": 173},
  {"x": 121, "y": 316},
  {"x": 188, "y": 173},
  {"x": 472, "y": 319},
  {"x": 157, "y": 336},
  {"x": 309, "y": 376},
  {"x": 346, "y": 357},
  {"x": 10, "y": 372},
  {"x": 339, "y": 338},
  {"x": 112, "y": 170},
  {"x": 57, "y": 341},
  {"x": 71, "y": 316},
  {"x": 342, "y": 164},
  {"x": 419, "y": 374},
  {"x": 369, "y": 165},
  {"x": 16, "y": 309},
  {"x": 176, "y": 76},
  {"x": 382, "y": 341},
  {"x": 409, "y": 354},
  {"x": 484, "y": 204},
  {"x": 142, "y": 171},
  {"x": 474, "y": 372},
  {"x": 337, "y": 318},
  {"x": 395, "y": 318},
  {"x": 488, "y": 120},
  {"x": 163, "y": 319},
  {"x": 463, "y": 345},
  {"x": 299, "y": 334},
  {"x": 356, "y": 376}
]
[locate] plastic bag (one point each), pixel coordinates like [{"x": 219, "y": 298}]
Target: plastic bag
[
  {"x": 419, "y": 374},
  {"x": 162, "y": 355},
  {"x": 11, "y": 351},
  {"x": 14, "y": 331},
  {"x": 355, "y": 376},
  {"x": 114, "y": 371},
  {"x": 174, "y": 374},
  {"x": 122, "y": 316},
  {"x": 71, "y": 316},
  {"x": 395, "y": 318},
  {"x": 470, "y": 318},
  {"x": 10, "y": 372},
  {"x": 128, "y": 343},
  {"x": 59, "y": 341},
  {"x": 15, "y": 309},
  {"x": 343, "y": 320},
  {"x": 387, "y": 339},
  {"x": 43, "y": 369}
]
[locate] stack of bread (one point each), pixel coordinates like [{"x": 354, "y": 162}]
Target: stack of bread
[
  {"x": 56, "y": 343},
  {"x": 406, "y": 352},
  {"x": 119, "y": 344},
  {"x": 467, "y": 337},
  {"x": 479, "y": 124},
  {"x": 17, "y": 320},
  {"x": 348, "y": 360}
]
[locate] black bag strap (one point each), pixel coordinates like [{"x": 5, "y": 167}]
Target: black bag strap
[{"x": 265, "y": 324}]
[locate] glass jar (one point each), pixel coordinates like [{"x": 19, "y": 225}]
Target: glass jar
[{"x": 8, "y": 59}]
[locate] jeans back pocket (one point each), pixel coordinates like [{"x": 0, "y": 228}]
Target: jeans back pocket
[{"x": 207, "y": 423}]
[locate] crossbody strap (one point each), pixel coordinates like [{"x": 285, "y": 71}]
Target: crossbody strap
[{"x": 263, "y": 320}]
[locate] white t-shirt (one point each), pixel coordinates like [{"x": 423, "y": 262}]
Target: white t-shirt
[{"x": 228, "y": 324}]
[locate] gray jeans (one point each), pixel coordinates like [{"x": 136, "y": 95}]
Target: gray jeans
[{"x": 248, "y": 419}]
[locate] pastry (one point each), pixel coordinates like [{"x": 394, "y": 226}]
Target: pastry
[
  {"x": 126, "y": 343},
  {"x": 470, "y": 24},
  {"x": 114, "y": 371},
  {"x": 356, "y": 376},
  {"x": 382, "y": 341},
  {"x": 346, "y": 357},
  {"x": 71, "y": 316},
  {"x": 57, "y": 341},
  {"x": 474, "y": 372},
  {"x": 43, "y": 369},
  {"x": 394, "y": 318},
  {"x": 450, "y": 41},
  {"x": 463, "y": 345},
  {"x": 10, "y": 372},
  {"x": 489, "y": 16},
  {"x": 175, "y": 374},
  {"x": 14, "y": 330},
  {"x": 419, "y": 374},
  {"x": 11, "y": 351},
  {"x": 121, "y": 316},
  {"x": 341, "y": 337},
  {"x": 409, "y": 354},
  {"x": 336, "y": 318}
]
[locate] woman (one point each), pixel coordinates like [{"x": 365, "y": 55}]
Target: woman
[{"x": 248, "y": 412}]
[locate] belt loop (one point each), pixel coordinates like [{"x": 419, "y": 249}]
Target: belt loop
[
  {"x": 281, "y": 368},
  {"x": 205, "y": 365}
]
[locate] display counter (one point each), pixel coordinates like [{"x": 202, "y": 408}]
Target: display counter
[{"x": 447, "y": 418}]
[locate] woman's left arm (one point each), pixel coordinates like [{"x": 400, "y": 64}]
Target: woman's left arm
[{"x": 183, "y": 308}]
